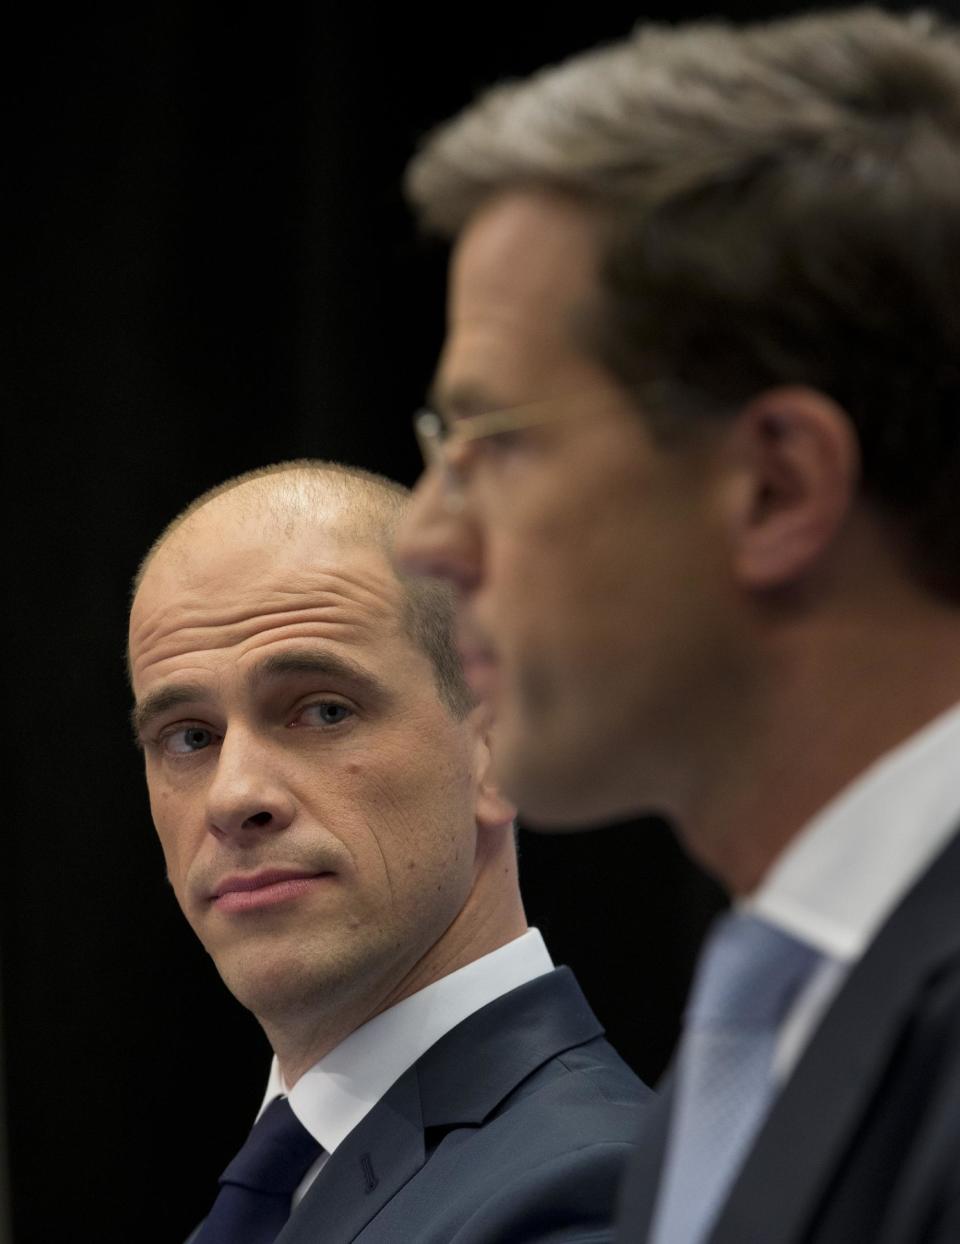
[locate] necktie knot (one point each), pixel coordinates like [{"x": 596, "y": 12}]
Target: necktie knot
[
  {"x": 276, "y": 1155},
  {"x": 256, "y": 1188},
  {"x": 748, "y": 975}
]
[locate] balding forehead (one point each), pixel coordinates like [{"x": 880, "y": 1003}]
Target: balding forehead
[
  {"x": 342, "y": 507},
  {"x": 339, "y": 505},
  {"x": 348, "y": 506},
  {"x": 210, "y": 588}
]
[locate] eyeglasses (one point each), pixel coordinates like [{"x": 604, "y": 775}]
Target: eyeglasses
[{"x": 442, "y": 442}]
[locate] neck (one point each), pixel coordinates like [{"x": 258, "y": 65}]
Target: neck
[
  {"x": 491, "y": 917},
  {"x": 827, "y": 707}
]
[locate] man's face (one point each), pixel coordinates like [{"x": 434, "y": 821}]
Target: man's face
[
  {"x": 313, "y": 796},
  {"x": 586, "y": 558}
]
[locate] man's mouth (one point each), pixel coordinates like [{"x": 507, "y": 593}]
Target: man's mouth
[
  {"x": 479, "y": 669},
  {"x": 475, "y": 650},
  {"x": 240, "y": 892}
]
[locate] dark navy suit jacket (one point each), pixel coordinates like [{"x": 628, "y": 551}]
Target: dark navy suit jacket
[
  {"x": 862, "y": 1146},
  {"x": 513, "y": 1128}
]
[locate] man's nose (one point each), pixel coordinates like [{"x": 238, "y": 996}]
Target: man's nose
[
  {"x": 439, "y": 536},
  {"x": 247, "y": 796}
]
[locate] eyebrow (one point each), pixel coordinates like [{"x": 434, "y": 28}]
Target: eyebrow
[
  {"x": 272, "y": 669},
  {"x": 325, "y": 664},
  {"x": 462, "y": 401},
  {"x": 154, "y": 703}
]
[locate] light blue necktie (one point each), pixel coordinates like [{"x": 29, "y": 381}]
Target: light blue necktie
[{"x": 748, "y": 974}]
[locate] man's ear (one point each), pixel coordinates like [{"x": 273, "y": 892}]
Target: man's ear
[
  {"x": 493, "y": 809},
  {"x": 797, "y": 463}
]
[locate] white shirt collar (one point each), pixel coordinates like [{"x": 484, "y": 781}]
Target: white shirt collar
[
  {"x": 334, "y": 1095},
  {"x": 845, "y": 872}
]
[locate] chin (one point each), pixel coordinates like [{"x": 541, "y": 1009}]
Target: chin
[
  {"x": 553, "y": 814},
  {"x": 541, "y": 789},
  {"x": 270, "y": 983},
  {"x": 262, "y": 992},
  {"x": 560, "y": 787}
]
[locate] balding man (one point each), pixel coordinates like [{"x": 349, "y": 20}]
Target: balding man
[
  {"x": 696, "y": 478},
  {"x": 319, "y": 782}
]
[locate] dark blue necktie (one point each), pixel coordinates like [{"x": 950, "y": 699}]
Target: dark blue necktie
[{"x": 256, "y": 1188}]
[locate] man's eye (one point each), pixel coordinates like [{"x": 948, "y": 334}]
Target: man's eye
[
  {"x": 187, "y": 740},
  {"x": 500, "y": 442},
  {"x": 325, "y": 713}
]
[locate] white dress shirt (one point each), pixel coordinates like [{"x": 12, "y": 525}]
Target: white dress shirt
[
  {"x": 337, "y": 1092},
  {"x": 846, "y": 871}
]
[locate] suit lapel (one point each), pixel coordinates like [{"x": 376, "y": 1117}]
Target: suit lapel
[
  {"x": 459, "y": 1081},
  {"x": 814, "y": 1118},
  {"x": 367, "y": 1169},
  {"x": 468, "y": 1073},
  {"x": 638, "y": 1191}
]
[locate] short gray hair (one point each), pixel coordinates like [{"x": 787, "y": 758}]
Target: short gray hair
[{"x": 777, "y": 203}]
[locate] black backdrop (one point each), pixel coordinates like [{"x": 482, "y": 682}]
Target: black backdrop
[{"x": 213, "y": 269}]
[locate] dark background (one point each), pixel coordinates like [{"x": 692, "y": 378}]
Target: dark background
[{"x": 213, "y": 269}]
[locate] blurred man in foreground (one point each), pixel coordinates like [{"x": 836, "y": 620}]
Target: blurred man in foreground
[
  {"x": 695, "y": 476},
  {"x": 318, "y": 779}
]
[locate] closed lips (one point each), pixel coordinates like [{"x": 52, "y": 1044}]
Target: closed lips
[{"x": 259, "y": 881}]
